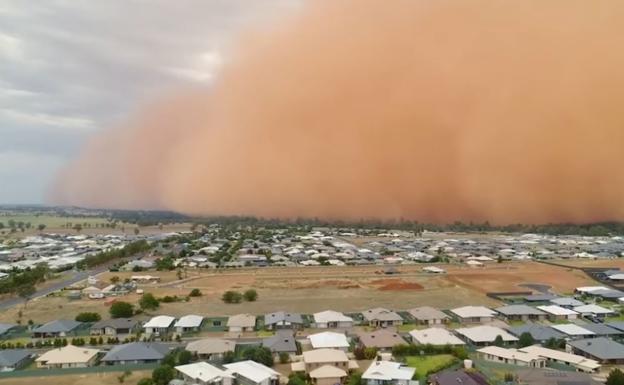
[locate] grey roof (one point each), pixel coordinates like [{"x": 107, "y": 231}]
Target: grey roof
[
  {"x": 619, "y": 325},
  {"x": 137, "y": 351},
  {"x": 13, "y": 356},
  {"x": 567, "y": 301},
  {"x": 282, "y": 341},
  {"x": 539, "y": 297},
  {"x": 538, "y": 332},
  {"x": 58, "y": 326},
  {"x": 6, "y": 327},
  {"x": 273, "y": 318},
  {"x": 426, "y": 313},
  {"x": 519, "y": 310},
  {"x": 607, "y": 293},
  {"x": 602, "y": 330},
  {"x": 454, "y": 377},
  {"x": 116, "y": 323},
  {"x": 602, "y": 348}
]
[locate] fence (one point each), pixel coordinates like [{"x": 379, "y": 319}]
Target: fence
[{"x": 89, "y": 370}]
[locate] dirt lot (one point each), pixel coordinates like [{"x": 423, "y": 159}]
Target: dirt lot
[
  {"x": 77, "y": 379},
  {"x": 312, "y": 289}
]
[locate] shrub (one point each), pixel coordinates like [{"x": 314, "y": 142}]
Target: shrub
[
  {"x": 88, "y": 317},
  {"x": 121, "y": 310},
  {"x": 250, "y": 295},
  {"x": 195, "y": 293},
  {"x": 148, "y": 302},
  {"x": 231, "y": 296}
]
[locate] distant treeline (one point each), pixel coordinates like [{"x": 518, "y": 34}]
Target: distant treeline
[{"x": 112, "y": 255}]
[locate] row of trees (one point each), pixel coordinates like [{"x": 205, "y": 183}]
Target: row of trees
[{"x": 107, "y": 256}]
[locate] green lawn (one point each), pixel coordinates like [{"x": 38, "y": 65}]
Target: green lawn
[
  {"x": 265, "y": 333},
  {"x": 429, "y": 364}
]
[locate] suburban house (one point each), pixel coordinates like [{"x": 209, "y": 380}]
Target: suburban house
[
  {"x": 427, "y": 315},
  {"x": 69, "y": 356},
  {"x": 12, "y": 359},
  {"x": 382, "y": 339},
  {"x": 540, "y": 333},
  {"x": 325, "y": 366},
  {"x": 252, "y": 373},
  {"x": 329, "y": 340},
  {"x": 210, "y": 348},
  {"x": 558, "y": 313},
  {"x": 485, "y": 335},
  {"x": 159, "y": 325},
  {"x": 330, "y": 319},
  {"x": 435, "y": 336},
  {"x": 553, "y": 377},
  {"x": 511, "y": 357},
  {"x": 388, "y": 373},
  {"x": 188, "y": 323},
  {"x": 282, "y": 342},
  {"x": 202, "y": 373},
  {"x": 241, "y": 323},
  {"x": 455, "y": 377},
  {"x": 578, "y": 362},
  {"x": 283, "y": 320},
  {"x": 602, "y": 330},
  {"x": 58, "y": 328},
  {"x": 602, "y": 349},
  {"x": 115, "y": 327},
  {"x": 567, "y": 302},
  {"x": 136, "y": 353},
  {"x": 521, "y": 313},
  {"x": 380, "y": 317},
  {"x": 474, "y": 314},
  {"x": 593, "y": 310},
  {"x": 572, "y": 331}
]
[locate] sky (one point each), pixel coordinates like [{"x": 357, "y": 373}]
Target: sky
[{"x": 69, "y": 69}]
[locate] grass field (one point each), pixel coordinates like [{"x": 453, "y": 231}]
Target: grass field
[
  {"x": 428, "y": 364},
  {"x": 77, "y": 379}
]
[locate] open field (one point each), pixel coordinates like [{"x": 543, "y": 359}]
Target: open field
[
  {"x": 427, "y": 364},
  {"x": 311, "y": 289},
  {"x": 76, "y": 379}
]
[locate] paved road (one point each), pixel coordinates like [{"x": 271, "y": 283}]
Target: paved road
[{"x": 70, "y": 278}]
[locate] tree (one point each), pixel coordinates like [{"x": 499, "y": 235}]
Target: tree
[
  {"x": 526, "y": 339},
  {"x": 355, "y": 379},
  {"x": 184, "y": 357},
  {"x": 26, "y": 291},
  {"x": 498, "y": 341},
  {"x": 616, "y": 377},
  {"x": 115, "y": 279},
  {"x": 260, "y": 354},
  {"x": 121, "y": 310},
  {"x": 296, "y": 379},
  {"x": 148, "y": 302},
  {"x": 145, "y": 381},
  {"x": 41, "y": 227},
  {"x": 88, "y": 317},
  {"x": 500, "y": 259},
  {"x": 250, "y": 295},
  {"x": 231, "y": 296},
  {"x": 284, "y": 358},
  {"x": 162, "y": 375},
  {"x": 136, "y": 231},
  {"x": 195, "y": 293}
]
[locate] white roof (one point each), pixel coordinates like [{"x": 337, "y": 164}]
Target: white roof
[
  {"x": 69, "y": 354},
  {"x": 160, "y": 321},
  {"x": 572, "y": 330},
  {"x": 556, "y": 310},
  {"x": 435, "y": 336},
  {"x": 510, "y": 354},
  {"x": 331, "y": 316},
  {"x": 561, "y": 356},
  {"x": 485, "y": 333},
  {"x": 589, "y": 289},
  {"x": 592, "y": 308},
  {"x": 328, "y": 340},
  {"x": 251, "y": 370},
  {"x": 202, "y": 371},
  {"x": 328, "y": 371},
  {"x": 473, "y": 311},
  {"x": 189, "y": 321},
  {"x": 388, "y": 371}
]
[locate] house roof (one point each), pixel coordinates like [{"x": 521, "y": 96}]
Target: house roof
[
  {"x": 327, "y": 371},
  {"x": 211, "y": 346},
  {"x": 520, "y": 310},
  {"x": 602, "y": 348},
  {"x": 68, "y": 355},
  {"x": 328, "y": 340},
  {"x": 116, "y": 323},
  {"x": 6, "y": 327},
  {"x": 11, "y": 357},
  {"x": 331, "y": 316},
  {"x": 242, "y": 321},
  {"x": 593, "y": 309},
  {"x": 137, "y": 351},
  {"x": 538, "y": 332},
  {"x": 325, "y": 355},
  {"x": 381, "y": 314},
  {"x": 473, "y": 312},
  {"x": 435, "y": 336},
  {"x": 556, "y": 310},
  {"x": 535, "y": 376},
  {"x": 573, "y": 359},
  {"x": 454, "y": 377},
  {"x": 510, "y": 354},
  {"x": 603, "y": 330},
  {"x": 273, "y": 318},
  {"x": 58, "y": 326},
  {"x": 566, "y": 301},
  {"x": 189, "y": 321},
  {"x": 572, "y": 330},
  {"x": 619, "y": 325},
  {"x": 160, "y": 321},
  {"x": 282, "y": 341},
  {"x": 388, "y": 371},
  {"x": 426, "y": 313},
  {"x": 252, "y": 370},
  {"x": 485, "y": 333},
  {"x": 202, "y": 371},
  {"x": 381, "y": 338}
]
